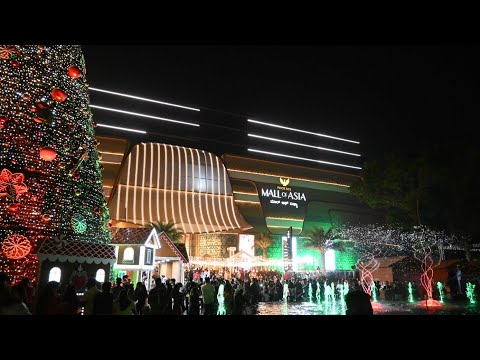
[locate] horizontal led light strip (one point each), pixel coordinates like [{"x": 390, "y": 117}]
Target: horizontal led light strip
[
  {"x": 110, "y": 162},
  {"x": 286, "y": 176},
  {"x": 143, "y": 115},
  {"x": 144, "y": 99},
  {"x": 279, "y": 218},
  {"x": 302, "y": 131},
  {"x": 245, "y": 193},
  {"x": 300, "y": 144},
  {"x": 283, "y": 227},
  {"x": 122, "y": 128},
  {"x": 111, "y": 153},
  {"x": 248, "y": 202},
  {"x": 306, "y": 159}
]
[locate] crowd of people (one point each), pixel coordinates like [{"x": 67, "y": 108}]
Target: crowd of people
[{"x": 200, "y": 295}]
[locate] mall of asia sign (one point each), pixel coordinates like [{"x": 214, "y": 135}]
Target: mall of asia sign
[{"x": 282, "y": 195}]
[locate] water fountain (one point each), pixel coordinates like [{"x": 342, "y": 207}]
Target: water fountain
[
  {"x": 440, "y": 290},
  {"x": 221, "y": 301},
  {"x": 332, "y": 292},
  {"x": 342, "y": 298},
  {"x": 410, "y": 293},
  {"x": 326, "y": 294},
  {"x": 471, "y": 292},
  {"x": 345, "y": 288},
  {"x": 285, "y": 291},
  {"x": 373, "y": 289},
  {"x": 310, "y": 291},
  {"x": 318, "y": 294}
]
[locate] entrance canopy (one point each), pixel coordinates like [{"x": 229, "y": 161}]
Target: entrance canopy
[{"x": 161, "y": 182}]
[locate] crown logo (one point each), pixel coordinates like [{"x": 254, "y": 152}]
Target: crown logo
[{"x": 284, "y": 182}]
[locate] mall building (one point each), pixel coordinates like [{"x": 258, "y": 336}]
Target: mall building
[{"x": 221, "y": 204}]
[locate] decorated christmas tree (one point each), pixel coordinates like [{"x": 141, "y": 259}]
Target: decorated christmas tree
[{"x": 50, "y": 175}]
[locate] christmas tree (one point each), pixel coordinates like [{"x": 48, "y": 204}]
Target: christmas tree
[{"x": 50, "y": 175}]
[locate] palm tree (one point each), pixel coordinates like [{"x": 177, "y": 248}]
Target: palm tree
[
  {"x": 263, "y": 242},
  {"x": 169, "y": 228},
  {"x": 320, "y": 239}
]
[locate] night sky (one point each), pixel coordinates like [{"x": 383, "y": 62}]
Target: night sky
[{"x": 393, "y": 99}]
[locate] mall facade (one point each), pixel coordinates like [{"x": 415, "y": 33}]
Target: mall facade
[{"x": 222, "y": 204}]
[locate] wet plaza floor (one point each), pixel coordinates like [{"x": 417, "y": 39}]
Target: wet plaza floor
[{"x": 379, "y": 308}]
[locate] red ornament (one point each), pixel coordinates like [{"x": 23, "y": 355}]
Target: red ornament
[
  {"x": 16, "y": 247},
  {"x": 74, "y": 72},
  {"x": 3, "y": 119},
  {"x": 26, "y": 97},
  {"x": 58, "y": 95},
  {"x": 13, "y": 207},
  {"x": 48, "y": 154},
  {"x": 11, "y": 185},
  {"x": 15, "y": 63},
  {"x": 37, "y": 120},
  {"x": 96, "y": 211},
  {"x": 34, "y": 198},
  {"x": 45, "y": 217}
]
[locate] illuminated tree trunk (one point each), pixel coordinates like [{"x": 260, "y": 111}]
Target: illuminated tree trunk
[
  {"x": 427, "y": 275},
  {"x": 366, "y": 273},
  {"x": 50, "y": 175}
]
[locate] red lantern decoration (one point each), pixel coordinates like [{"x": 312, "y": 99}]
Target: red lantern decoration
[
  {"x": 13, "y": 207},
  {"x": 58, "y": 95},
  {"x": 74, "y": 72},
  {"x": 48, "y": 154}
]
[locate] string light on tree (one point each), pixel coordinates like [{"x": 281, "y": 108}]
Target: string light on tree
[{"x": 47, "y": 133}]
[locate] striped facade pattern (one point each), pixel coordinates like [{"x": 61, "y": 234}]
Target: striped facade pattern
[{"x": 161, "y": 182}]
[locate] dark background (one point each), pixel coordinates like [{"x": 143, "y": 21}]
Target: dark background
[{"x": 393, "y": 99}]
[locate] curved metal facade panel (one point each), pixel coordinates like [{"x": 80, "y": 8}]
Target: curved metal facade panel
[{"x": 162, "y": 182}]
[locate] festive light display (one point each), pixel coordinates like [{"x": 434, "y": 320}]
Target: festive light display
[
  {"x": 471, "y": 292},
  {"x": 426, "y": 245},
  {"x": 369, "y": 242},
  {"x": 46, "y": 128}
]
